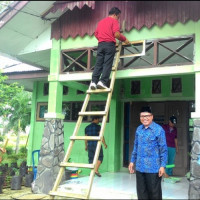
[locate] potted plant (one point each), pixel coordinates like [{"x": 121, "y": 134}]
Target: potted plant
[
  {"x": 28, "y": 179},
  {"x": 1, "y": 181},
  {"x": 16, "y": 180},
  {"x": 23, "y": 168}
]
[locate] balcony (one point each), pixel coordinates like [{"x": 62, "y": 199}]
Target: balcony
[{"x": 155, "y": 53}]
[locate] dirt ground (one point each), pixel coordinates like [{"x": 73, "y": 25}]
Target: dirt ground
[
  {"x": 8, "y": 193},
  {"x": 24, "y": 193}
]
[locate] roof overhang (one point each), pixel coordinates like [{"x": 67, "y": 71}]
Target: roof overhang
[
  {"x": 25, "y": 34},
  {"x": 63, "y": 6}
]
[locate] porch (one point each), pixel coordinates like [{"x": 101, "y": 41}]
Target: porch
[{"x": 122, "y": 185}]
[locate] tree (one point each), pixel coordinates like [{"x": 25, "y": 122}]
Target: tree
[
  {"x": 20, "y": 112},
  {"x": 15, "y": 107},
  {"x": 7, "y": 93}
]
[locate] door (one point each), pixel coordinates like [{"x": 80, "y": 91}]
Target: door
[{"x": 180, "y": 110}]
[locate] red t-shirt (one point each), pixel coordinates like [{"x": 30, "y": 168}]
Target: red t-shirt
[{"x": 106, "y": 30}]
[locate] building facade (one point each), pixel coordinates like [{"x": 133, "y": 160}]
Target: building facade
[{"x": 166, "y": 78}]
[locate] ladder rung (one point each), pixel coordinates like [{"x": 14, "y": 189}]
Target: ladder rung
[
  {"x": 67, "y": 194},
  {"x": 99, "y": 91},
  {"x": 92, "y": 113},
  {"x": 85, "y": 138},
  {"x": 82, "y": 165},
  {"x": 132, "y": 55}
]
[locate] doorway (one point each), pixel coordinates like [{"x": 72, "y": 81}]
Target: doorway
[{"x": 161, "y": 111}]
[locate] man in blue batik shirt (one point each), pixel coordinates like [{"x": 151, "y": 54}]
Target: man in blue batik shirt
[{"x": 149, "y": 156}]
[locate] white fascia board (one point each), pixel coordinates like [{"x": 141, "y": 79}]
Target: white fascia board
[
  {"x": 131, "y": 73},
  {"x": 41, "y": 43}
]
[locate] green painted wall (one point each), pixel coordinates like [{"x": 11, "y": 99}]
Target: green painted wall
[
  {"x": 188, "y": 89},
  {"x": 114, "y": 129}
]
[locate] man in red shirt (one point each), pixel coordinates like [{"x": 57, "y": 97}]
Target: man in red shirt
[{"x": 106, "y": 32}]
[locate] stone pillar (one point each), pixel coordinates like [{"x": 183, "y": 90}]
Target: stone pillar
[
  {"x": 51, "y": 154},
  {"x": 194, "y": 187}
]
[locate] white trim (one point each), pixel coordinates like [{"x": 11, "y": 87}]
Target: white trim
[
  {"x": 54, "y": 116},
  {"x": 131, "y": 73}
]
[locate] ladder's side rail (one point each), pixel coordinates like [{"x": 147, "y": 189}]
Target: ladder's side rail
[
  {"x": 96, "y": 155},
  {"x": 80, "y": 118},
  {"x": 117, "y": 59}
]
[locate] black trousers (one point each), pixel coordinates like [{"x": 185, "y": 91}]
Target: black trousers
[
  {"x": 148, "y": 185},
  {"x": 92, "y": 151},
  {"x": 104, "y": 61}
]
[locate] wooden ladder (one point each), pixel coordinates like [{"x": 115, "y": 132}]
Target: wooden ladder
[{"x": 99, "y": 138}]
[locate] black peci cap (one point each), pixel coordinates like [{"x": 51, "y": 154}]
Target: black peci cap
[
  {"x": 146, "y": 109},
  {"x": 173, "y": 119}
]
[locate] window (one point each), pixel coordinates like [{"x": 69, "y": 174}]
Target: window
[
  {"x": 176, "y": 85},
  {"x": 156, "y": 86},
  {"x": 42, "y": 108},
  {"x": 96, "y": 106},
  {"x": 135, "y": 87},
  {"x": 80, "y": 92},
  {"x": 46, "y": 89},
  {"x": 65, "y": 90},
  {"x": 71, "y": 110}
]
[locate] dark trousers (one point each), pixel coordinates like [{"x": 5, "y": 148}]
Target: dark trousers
[
  {"x": 148, "y": 185},
  {"x": 104, "y": 61},
  {"x": 92, "y": 151}
]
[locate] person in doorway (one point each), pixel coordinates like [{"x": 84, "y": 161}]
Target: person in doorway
[
  {"x": 93, "y": 129},
  {"x": 106, "y": 32},
  {"x": 149, "y": 156},
  {"x": 172, "y": 143}
]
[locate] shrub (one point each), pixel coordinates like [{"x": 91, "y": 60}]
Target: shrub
[
  {"x": 23, "y": 150},
  {"x": 9, "y": 150},
  {"x": 1, "y": 138}
]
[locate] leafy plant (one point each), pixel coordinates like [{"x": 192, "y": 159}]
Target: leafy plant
[
  {"x": 9, "y": 150},
  {"x": 7, "y": 94},
  {"x": 15, "y": 107},
  {"x": 23, "y": 150},
  {"x": 1, "y": 138},
  {"x": 16, "y": 170}
]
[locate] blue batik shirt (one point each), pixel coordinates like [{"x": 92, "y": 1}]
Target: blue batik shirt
[
  {"x": 92, "y": 130},
  {"x": 150, "y": 149}
]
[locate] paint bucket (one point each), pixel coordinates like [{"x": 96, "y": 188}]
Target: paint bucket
[{"x": 74, "y": 172}]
